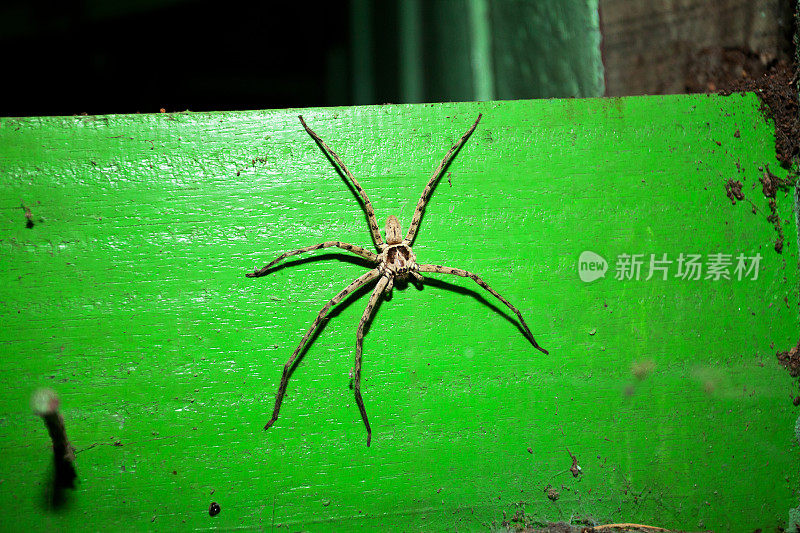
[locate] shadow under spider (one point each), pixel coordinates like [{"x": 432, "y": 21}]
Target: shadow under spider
[{"x": 366, "y": 289}]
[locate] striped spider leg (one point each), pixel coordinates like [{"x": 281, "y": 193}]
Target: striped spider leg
[{"x": 396, "y": 260}]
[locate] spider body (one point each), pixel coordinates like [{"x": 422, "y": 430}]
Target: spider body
[{"x": 395, "y": 260}]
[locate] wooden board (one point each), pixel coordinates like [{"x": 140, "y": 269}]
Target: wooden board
[{"x": 128, "y": 297}]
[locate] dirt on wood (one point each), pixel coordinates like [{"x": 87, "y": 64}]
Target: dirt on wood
[
  {"x": 775, "y": 82},
  {"x": 575, "y": 469},
  {"x": 770, "y": 185},
  {"x": 740, "y": 71},
  {"x": 737, "y": 70},
  {"x": 733, "y": 189},
  {"x": 775, "y": 85},
  {"x": 791, "y": 360}
]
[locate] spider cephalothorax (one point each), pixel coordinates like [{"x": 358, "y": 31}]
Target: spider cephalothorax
[{"x": 396, "y": 260}]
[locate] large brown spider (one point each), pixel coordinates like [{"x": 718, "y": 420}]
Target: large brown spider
[{"x": 396, "y": 260}]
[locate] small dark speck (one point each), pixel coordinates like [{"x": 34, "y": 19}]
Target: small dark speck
[
  {"x": 530, "y": 450},
  {"x": 174, "y": 472},
  {"x": 214, "y": 509},
  {"x": 28, "y": 217},
  {"x": 796, "y": 401},
  {"x": 737, "y": 133}
]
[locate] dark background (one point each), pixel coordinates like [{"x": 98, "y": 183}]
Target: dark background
[
  {"x": 70, "y": 57},
  {"x": 127, "y": 56}
]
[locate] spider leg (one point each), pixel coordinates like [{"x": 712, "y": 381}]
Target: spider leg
[
  {"x": 366, "y": 254},
  {"x": 373, "y": 224},
  {"x": 379, "y": 288},
  {"x": 423, "y": 200},
  {"x": 477, "y": 279},
  {"x": 361, "y": 281}
]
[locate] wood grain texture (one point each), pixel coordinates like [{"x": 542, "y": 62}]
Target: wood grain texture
[
  {"x": 545, "y": 49},
  {"x": 667, "y": 47},
  {"x": 128, "y": 297}
]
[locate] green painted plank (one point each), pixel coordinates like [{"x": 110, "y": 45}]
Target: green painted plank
[{"x": 128, "y": 297}]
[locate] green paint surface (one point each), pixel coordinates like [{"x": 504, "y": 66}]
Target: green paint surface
[{"x": 128, "y": 297}]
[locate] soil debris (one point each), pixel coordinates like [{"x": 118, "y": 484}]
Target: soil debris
[
  {"x": 777, "y": 90},
  {"x": 791, "y": 360},
  {"x": 575, "y": 469},
  {"x": 776, "y": 87},
  {"x": 775, "y": 220},
  {"x": 770, "y": 185},
  {"x": 733, "y": 70},
  {"x": 733, "y": 189}
]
